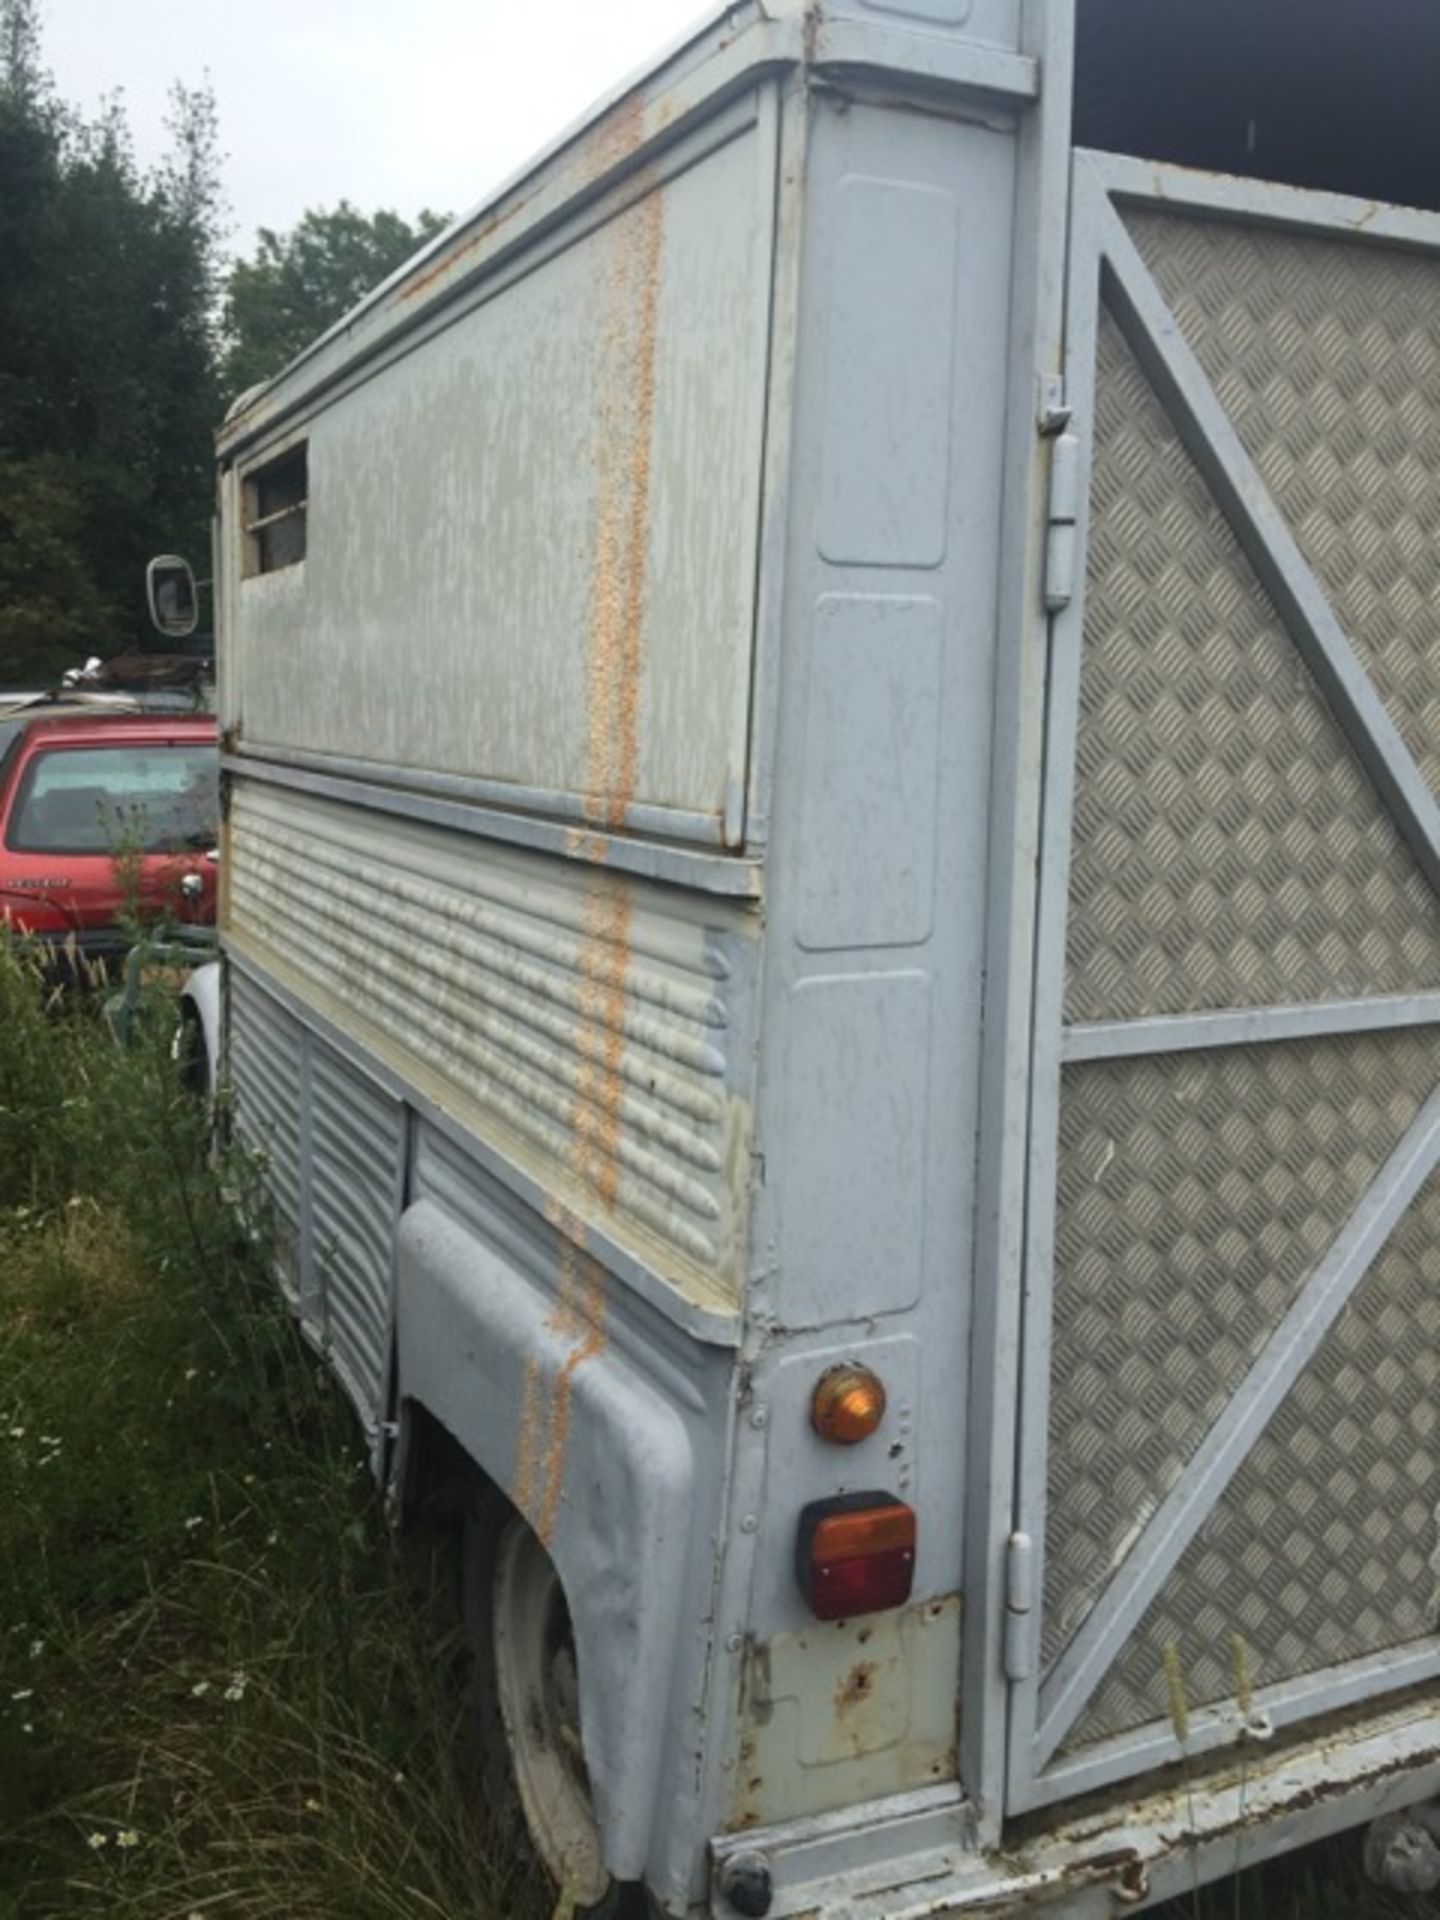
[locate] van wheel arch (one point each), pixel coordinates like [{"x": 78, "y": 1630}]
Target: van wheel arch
[
  {"x": 527, "y": 1701},
  {"x": 507, "y": 1583}
]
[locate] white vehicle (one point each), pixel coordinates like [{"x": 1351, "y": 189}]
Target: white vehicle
[{"x": 832, "y": 722}]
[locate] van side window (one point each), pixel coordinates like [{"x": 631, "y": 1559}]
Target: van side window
[{"x": 276, "y": 497}]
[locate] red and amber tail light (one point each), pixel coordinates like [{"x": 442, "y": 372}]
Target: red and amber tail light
[{"x": 855, "y": 1554}]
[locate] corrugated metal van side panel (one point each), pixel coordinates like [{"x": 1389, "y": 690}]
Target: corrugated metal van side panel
[
  {"x": 356, "y": 1140},
  {"x": 266, "y": 1074},
  {"x": 583, "y": 1022}
]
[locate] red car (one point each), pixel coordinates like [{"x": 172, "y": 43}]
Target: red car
[{"x": 102, "y": 813}]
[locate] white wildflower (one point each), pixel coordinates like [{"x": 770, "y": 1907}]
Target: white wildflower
[
  {"x": 312, "y": 1806},
  {"x": 127, "y": 1837},
  {"x": 37, "y": 1647},
  {"x": 237, "y": 1686},
  {"x": 23, "y": 1693},
  {"x": 200, "y": 1689},
  {"x": 97, "y": 1840},
  {"x": 195, "y": 1520},
  {"x": 191, "y": 1373}
]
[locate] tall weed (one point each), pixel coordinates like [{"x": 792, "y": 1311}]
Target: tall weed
[{"x": 223, "y": 1689}]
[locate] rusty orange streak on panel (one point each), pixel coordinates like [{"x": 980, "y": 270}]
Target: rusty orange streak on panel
[
  {"x": 611, "y": 143},
  {"x": 630, "y": 308},
  {"x": 593, "y": 1312},
  {"x": 451, "y": 258},
  {"x": 600, "y": 152},
  {"x": 528, "y": 1449},
  {"x": 599, "y": 1087},
  {"x": 533, "y": 1414}
]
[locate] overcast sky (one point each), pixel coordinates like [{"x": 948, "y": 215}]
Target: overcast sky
[{"x": 393, "y": 103}]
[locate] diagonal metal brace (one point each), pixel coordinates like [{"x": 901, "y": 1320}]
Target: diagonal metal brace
[
  {"x": 1205, "y": 429},
  {"x": 1329, "y": 1289}
]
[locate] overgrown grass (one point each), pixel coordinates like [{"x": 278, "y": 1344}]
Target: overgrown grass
[{"x": 222, "y": 1690}]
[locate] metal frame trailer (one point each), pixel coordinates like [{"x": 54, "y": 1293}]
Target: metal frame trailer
[{"x": 831, "y": 740}]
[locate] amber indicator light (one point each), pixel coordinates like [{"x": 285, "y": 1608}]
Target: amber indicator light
[
  {"x": 855, "y": 1554},
  {"x": 848, "y": 1405}
]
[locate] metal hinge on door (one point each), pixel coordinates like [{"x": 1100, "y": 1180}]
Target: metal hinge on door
[
  {"x": 1020, "y": 1617},
  {"x": 1064, "y": 508}
]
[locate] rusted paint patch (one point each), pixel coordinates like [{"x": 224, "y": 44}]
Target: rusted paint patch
[
  {"x": 609, "y": 145},
  {"x": 855, "y": 1689},
  {"x": 463, "y": 250},
  {"x": 845, "y": 1712}
]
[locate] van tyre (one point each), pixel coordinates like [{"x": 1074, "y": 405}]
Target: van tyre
[
  {"x": 527, "y": 1707},
  {"x": 190, "y": 1053}
]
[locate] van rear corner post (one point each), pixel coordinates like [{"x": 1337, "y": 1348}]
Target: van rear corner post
[{"x": 829, "y": 937}]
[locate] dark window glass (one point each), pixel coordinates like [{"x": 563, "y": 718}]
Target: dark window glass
[
  {"x": 118, "y": 799},
  {"x": 275, "y": 511}
]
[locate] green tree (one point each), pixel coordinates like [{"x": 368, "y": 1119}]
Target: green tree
[
  {"x": 108, "y": 390},
  {"x": 51, "y": 611},
  {"x": 301, "y": 282}
]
